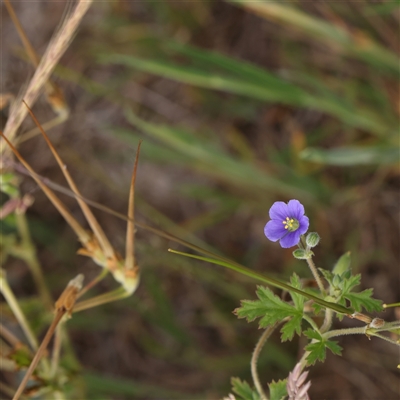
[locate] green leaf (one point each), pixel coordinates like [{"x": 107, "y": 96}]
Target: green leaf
[
  {"x": 297, "y": 299},
  {"x": 341, "y": 286},
  {"x": 318, "y": 347},
  {"x": 277, "y": 390},
  {"x": 272, "y": 309},
  {"x": 334, "y": 347},
  {"x": 364, "y": 299},
  {"x": 292, "y": 326},
  {"x": 243, "y": 389},
  {"x": 269, "y": 306}
]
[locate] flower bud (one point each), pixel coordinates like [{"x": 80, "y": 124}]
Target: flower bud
[
  {"x": 312, "y": 239},
  {"x": 302, "y": 254},
  {"x": 343, "y": 264}
]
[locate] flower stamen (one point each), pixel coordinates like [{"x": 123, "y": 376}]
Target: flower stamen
[{"x": 291, "y": 224}]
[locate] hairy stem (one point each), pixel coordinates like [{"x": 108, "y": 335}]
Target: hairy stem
[
  {"x": 256, "y": 353},
  {"x": 348, "y": 331},
  {"x": 327, "y": 321},
  {"x": 317, "y": 278}
]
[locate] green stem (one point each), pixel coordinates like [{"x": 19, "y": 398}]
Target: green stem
[
  {"x": 28, "y": 254},
  {"x": 395, "y": 342},
  {"x": 348, "y": 331},
  {"x": 95, "y": 281},
  {"x": 317, "y": 278},
  {"x": 116, "y": 294},
  {"x": 311, "y": 322},
  {"x": 16, "y": 309},
  {"x": 256, "y": 353},
  {"x": 55, "y": 357},
  {"x": 391, "y": 305},
  {"x": 303, "y": 245},
  {"x": 389, "y": 326},
  {"x": 327, "y": 321}
]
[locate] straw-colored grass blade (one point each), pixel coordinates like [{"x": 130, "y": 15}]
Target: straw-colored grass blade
[
  {"x": 54, "y": 51},
  {"x": 97, "y": 230},
  {"x": 130, "y": 229},
  {"x": 83, "y": 235}
]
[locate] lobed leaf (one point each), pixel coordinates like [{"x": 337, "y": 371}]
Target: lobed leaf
[
  {"x": 277, "y": 390},
  {"x": 318, "y": 347},
  {"x": 243, "y": 389},
  {"x": 272, "y": 309}
]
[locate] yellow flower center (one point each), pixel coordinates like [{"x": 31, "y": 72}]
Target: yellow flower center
[{"x": 291, "y": 224}]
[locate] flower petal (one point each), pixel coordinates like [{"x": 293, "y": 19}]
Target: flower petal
[
  {"x": 274, "y": 230},
  {"x": 304, "y": 223},
  {"x": 290, "y": 240},
  {"x": 295, "y": 209},
  {"x": 279, "y": 210}
]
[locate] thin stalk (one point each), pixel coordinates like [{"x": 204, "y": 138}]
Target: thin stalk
[
  {"x": 6, "y": 363},
  {"x": 94, "y": 282},
  {"x": 317, "y": 278},
  {"x": 5, "y": 348},
  {"x": 56, "y": 48},
  {"x": 55, "y": 357},
  {"x": 63, "y": 305},
  {"x": 117, "y": 294},
  {"x": 327, "y": 321},
  {"x": 31, "y": 259},
  {"x": 9, "y": 336},
  {"x": 254, "y": 359},
  {"x": 16, "y": 309},
  {"x": 9, "y": 391},
  {"x": 354, "y": 331},
  {"x": 39, "y": 353},
  {"x": 395, "y": 342},
  {"x": 311, "y": 322},
  {"x": 391, "y": 305},
  {"x": 310, "y": 262},
  {"x": 348, "y": 331},
  {"x": 388, "y": 326}
]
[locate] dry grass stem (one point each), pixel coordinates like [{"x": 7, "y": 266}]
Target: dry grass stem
[
  {"x": 63, "y": 305},
  {"x": 55, "y": 50}
]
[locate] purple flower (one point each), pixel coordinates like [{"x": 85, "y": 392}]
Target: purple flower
[{"x": 287, "y": 223}]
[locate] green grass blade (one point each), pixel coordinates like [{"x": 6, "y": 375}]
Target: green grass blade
[
  {"x": 351, "y": 156},
  {"x": 366, "y": 50},
  {"x": 270, "y": 281},
  {"x": 281, "y": 91},
  {"x": 206, "y": 156}
]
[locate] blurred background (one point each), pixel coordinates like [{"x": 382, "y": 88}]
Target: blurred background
[{"x": 239, "y": 104}]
